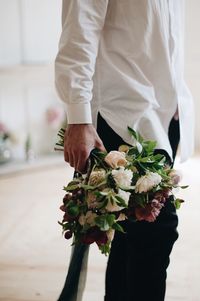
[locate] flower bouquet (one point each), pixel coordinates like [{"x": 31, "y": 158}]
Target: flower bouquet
[{"x": 131, "y": 183}]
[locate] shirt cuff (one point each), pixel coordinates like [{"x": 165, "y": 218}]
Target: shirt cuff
[{"x": 78, "y": 113}]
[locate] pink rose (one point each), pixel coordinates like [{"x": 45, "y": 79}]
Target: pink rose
[
  {"x": 175, "y": 176},
  {"x": 116, "y": 159}
]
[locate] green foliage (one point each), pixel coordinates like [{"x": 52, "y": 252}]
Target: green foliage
[
  {"x": 82, "y": 197},
  {"x": 105, "y": 222},
  {"x": 73, "y": 209},
  {"x": 177, "y": 203},
  {"x": 118, "y": 227},
  {"x": 105, "y": 249}
]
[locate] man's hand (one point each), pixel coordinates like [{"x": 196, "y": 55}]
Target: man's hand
[{"x": 80, "y": 140}]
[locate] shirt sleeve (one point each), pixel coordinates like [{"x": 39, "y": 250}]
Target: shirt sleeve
[{"x": 82, "y": 23}]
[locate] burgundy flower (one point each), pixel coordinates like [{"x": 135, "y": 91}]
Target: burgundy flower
[
  {"x": 162, "y": 196},
  {"x": 150, "y": 212},
  {"x": 94, "y": 234},
  {"x": 102, "y": 238},
  {"x": 87, "y": 239},
  {"x": 68, "y": 234},
  {"x": 62, "y": 208},
  {"x": 67, "y": 198},
  {"x": 68, "y": 218}
]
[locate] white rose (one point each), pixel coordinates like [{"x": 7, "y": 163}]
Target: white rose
[
  {"x": 122, "y": 176},
  {"x": 96, "y": 177},
  {"x": 147, "y": 182},
  {"x": 116, "y": 159},
  {"x": 125, "y": 195}
]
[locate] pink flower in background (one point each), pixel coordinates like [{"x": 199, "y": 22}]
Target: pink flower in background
[
  {"x": 3, "y": 128},
  {"x": 54, "y": 116}
]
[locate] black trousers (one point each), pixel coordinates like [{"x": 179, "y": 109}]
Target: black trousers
[{"x": 136, "y": 269}]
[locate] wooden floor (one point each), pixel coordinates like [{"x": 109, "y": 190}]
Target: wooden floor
[{"x": 34, "y": 256}]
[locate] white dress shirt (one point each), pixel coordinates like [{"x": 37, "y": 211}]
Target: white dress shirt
[{"x": 124, "y": 59}]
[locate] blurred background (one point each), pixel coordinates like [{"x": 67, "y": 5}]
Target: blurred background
[{"x": 33, "y": 254}]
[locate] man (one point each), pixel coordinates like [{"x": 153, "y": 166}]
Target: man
[{"x": 122, "y": 60}]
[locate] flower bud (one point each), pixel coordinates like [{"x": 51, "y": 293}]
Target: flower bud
[{"x": 68, "y": 234}]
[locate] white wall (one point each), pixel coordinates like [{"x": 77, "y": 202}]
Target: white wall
[
  {"x": 29, "y": 33},
  {"x": 192, "y": 58},
  {"x": 10, "y": 49},
  {"x": 29, "y": 30},
  {"x": 26, "y": 94}
]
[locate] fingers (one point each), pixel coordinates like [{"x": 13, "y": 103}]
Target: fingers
[
  {"x": 82, "y": 163},
  {"x": 80, "y": 140},
  {"x": 77, "y": 158}
]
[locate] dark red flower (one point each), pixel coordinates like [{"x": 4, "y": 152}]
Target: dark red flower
[
  {"x": 68, "y": 234},
  {"x": 94, "y": 234},
  {"x": 102, "y": 238},
  {"x": 150, "y": 212},
  {"x": 68, "y": 218},
  {"x": 62, "y": 207},
  {"x": 67, "y": 198}
]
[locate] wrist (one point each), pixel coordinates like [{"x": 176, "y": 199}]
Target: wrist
[{"x": 73, "y": 125}]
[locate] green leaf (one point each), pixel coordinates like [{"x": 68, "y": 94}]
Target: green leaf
[
  {"x": 73, "y": 210},
  {"x": 147, "y": 160},
  {"x": 133, "y": 151},
  {"x": 135, "y": 134},
  {"x": 103, "y": 193},
  {"x": 184, "y": 187},
  {"x": 110, "y": 219},
  {"x": 105, "y": 249},
  {"x": 87, "y": 187},
  {"x": 105, "y": 222},
  {"x": 102, "y": 223},
  {"x": 120, "y": 201},
  {"x": 149, "y": 146},
  {"x": 118, "y": 227},
  {"x": 177, "y": 203},
  {"x": 70, "y": 187}
]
